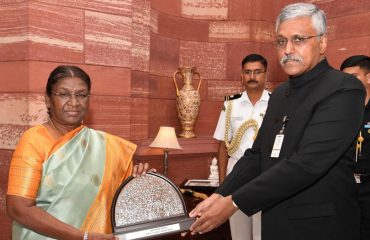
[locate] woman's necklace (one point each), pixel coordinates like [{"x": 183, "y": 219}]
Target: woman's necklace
[{"x": 56, "y": 129}]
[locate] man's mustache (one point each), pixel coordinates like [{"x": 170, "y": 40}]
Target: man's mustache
[
  {"x": 287, "y": 58},
  {"x": 252, "y": 81}
]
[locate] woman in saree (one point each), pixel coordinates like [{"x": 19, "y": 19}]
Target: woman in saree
[{"x": 63, "y": 175}]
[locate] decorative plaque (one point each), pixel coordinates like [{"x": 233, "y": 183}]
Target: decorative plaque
[{"x": 148, "y": 206}]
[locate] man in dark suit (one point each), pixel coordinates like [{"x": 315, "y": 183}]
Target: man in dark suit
[
  {"x": 298, "y": 172},
  {"x": 359, "y": 66}
]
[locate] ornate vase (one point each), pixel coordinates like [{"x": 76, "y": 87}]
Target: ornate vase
[{"x": 187, "y": 101}]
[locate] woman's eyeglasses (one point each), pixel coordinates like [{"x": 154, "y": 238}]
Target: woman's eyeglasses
[{"x": 68, "y": 96}]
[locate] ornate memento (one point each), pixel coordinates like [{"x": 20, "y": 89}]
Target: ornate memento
[
  {"x": 187, "y": 101},
  {"x": 148, "y": 206}
]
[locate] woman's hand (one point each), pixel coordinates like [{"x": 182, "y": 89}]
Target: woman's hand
[
  {"x": 141, "y": 169},
  {"x": 25, "y": 212}
]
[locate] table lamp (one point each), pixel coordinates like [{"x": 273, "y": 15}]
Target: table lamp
[{"x": 166, "y": 140}]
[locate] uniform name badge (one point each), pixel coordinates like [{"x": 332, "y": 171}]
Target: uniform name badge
[
  {"x": 277, "y": 145},
  {"x": 367, "y": 126}
]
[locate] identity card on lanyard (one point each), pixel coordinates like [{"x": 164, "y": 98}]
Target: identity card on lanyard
[{"x": 279, "y": 138}]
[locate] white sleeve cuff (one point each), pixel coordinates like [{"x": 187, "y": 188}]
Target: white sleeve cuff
[{"x": 235, "y": 205}]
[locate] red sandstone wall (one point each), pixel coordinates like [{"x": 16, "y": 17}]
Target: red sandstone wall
[
  {"x": 131, "y": 50},
  {"x": 213, "y": 36}
]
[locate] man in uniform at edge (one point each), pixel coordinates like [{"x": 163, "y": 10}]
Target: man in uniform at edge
[
  {"x": 359, "y": 66},
  {"x": 297, "y": 171},
  {"x": 237, "y": 127}
]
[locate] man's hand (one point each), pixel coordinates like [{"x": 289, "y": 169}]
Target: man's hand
[
  {"x": 223, "y": 159},
  {"x": 211, "y": 213},
  {"x": 197, "y": 211}
]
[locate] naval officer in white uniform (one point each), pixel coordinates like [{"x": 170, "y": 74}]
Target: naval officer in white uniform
[{"x": 238, "y": 124}]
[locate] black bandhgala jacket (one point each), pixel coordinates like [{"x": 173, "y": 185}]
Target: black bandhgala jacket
[{"x": 308, "y": 192}]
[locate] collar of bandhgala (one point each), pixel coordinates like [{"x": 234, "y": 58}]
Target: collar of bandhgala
[{"x": 308, "y": 76}]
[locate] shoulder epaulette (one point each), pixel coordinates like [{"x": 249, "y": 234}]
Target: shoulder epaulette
[{"x": 232, "y": 97}]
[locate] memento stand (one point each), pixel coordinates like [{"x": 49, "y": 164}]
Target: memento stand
[{"x": 148, "y": 206}]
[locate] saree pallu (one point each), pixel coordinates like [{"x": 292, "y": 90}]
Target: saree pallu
[{"x": 79, "y": 180}]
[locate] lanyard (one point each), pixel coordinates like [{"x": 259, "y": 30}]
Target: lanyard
[{"x": 279, "y": 138}]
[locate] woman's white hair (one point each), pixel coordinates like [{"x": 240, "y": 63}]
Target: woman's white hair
[{"x": 297, "y": 10}]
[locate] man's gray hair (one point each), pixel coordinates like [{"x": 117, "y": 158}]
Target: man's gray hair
[{"x": 297, "y": 10}]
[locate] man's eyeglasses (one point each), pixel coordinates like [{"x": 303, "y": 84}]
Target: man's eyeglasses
[
  {"x": 297, "y": 41},
  {"x": 68, "y": 96},
  {"x": 256, "y": 72}
]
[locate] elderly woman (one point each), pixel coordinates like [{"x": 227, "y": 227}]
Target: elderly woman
[{"x": 63, "y": 175}]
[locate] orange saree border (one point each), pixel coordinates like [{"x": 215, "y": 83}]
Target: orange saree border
[
  {"x": 34, "y": 148},
  {"x": 118, "y": 167}
]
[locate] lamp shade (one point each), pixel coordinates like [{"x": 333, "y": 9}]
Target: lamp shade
[{"x": 166, "y": 139}]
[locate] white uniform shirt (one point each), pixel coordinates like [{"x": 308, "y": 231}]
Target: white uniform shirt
[{"x": 242, "y": 110}]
